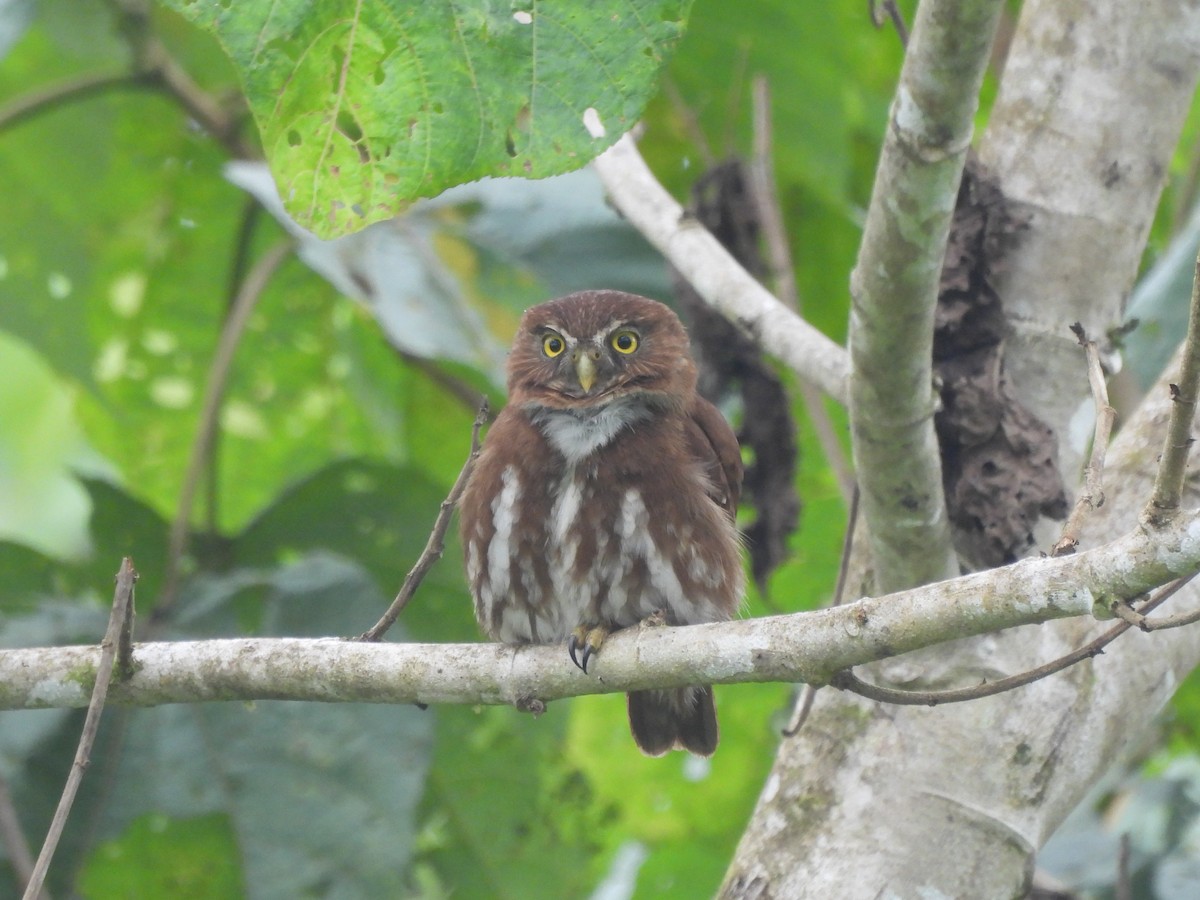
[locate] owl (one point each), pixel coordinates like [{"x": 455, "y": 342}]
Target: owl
[{"x": 604, "y": 493}]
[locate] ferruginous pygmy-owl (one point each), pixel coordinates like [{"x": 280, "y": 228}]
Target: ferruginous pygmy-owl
[{"x": 606, "y": 492}]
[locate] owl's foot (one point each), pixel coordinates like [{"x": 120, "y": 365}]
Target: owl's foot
[{"x": 585, "y": 641}]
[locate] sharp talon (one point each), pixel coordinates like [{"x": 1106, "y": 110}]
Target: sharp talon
[
  {"x": 587, "y": 654},
  {"x": 572, "y": 645}
]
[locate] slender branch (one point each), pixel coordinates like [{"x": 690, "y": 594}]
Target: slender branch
[
  {"x": 1091, "y": 497},
  {"x": 251, "y": 214},
  {"x": 12, "y": 838},
  {"x": 715, "y": 274},
  {"x": 1168, "y": 483},
  {"x": 214, "y": 392},
  {"x": 848, "y": 681},
  {"x": 71, "y": 90},
  {"x": 881, "y": 12},
  {"x": 808, "y": 647},
  {"x": 459, "y": 388},
  {"x": 153, "y": 60},
  {"x": 804, "y": 706},
  {"x": 691, "y": 122},
  {"x": 436, "y": 544},
  {"x": 122, "y": 600},
  {"x": 779, "y": 260},
  {"x": 894, "y": 290}
]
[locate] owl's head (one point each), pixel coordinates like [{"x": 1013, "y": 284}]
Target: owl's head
[{"x": 590, "y": 348}]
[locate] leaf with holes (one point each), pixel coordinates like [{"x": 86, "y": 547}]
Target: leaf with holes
[{"x": 366, "y": 105}]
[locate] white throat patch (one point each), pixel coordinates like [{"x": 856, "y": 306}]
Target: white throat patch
[{"x": 577, "y": 435}]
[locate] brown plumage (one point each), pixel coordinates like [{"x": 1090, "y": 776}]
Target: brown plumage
[{"x": 605, "y": 492}]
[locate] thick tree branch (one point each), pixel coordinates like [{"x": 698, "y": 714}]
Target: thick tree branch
[
  {"x": 894, "y": 289},
  {"x": 992, "y": 779},
  {"x": 809, "y": 647},
  {"x": 715, "y": 274}
]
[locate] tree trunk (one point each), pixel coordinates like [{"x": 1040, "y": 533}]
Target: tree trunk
[{"x": 871, "y": 800}]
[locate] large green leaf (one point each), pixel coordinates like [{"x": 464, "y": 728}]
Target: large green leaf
[{"x": 364, "y": 106}]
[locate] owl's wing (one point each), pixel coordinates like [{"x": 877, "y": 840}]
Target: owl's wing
[{"x": 713, "y": 443}]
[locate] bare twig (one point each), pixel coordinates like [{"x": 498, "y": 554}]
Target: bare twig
[
  {"x": 1124, "y": 887},
  {"x": 12, "y": 838},
  {"x": 1168, "y": 482},
  {"x": 1091, "y": 497},
  {"x": 152, "y": 60},
  {"x": 881, "y": 12},
  {"x": 122, "y": 600},
  {"x": 251, "y": 214},
  {"x": 848, "y": 681},
  {"x": 1128, "y": 614},
  {"x": 214, "y": 392},
  {"x": 804, "y": 707},
  {"x": 715, "y": 274},
  {"x": 436, "y": 544},
  {"x": 691, "y": 122},
  {"x": 779, "y": 260},
  {"x": 81, "y": 88},
  {"x": 458, "y": 388}
]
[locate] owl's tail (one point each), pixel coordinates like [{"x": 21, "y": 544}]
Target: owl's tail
[{"x": 682, "y": 719}]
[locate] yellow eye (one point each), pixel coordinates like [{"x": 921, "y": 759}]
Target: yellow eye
[
  {"x": 553, "y": 345},
  {"x": 624, "y": 341}
]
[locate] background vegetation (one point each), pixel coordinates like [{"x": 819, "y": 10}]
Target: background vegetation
[{"x": 126, "y": 239}]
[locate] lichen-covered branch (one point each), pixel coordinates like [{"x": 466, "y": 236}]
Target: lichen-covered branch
[
  {"x": 894, "y": 290},
  {"x": 715, "y": 274},
  {"x": 809, "y": 647}
]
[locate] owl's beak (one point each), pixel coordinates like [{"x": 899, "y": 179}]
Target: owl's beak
[{"x": 585, "y": 368}]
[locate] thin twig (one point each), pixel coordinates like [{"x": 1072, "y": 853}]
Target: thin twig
[
  {"x": 458, "y": 388},
  {"x": 153, "y": 60},
  {"x": 1091, "y": 497},
  {"x": 214, "y": 392},
  {"x": 691, "y": 122},
  {"x": 1127, "y": 613},
  {"x": 848, "y": 681},
  {"x": 12, "y": 838},
  {"x": 436, "y": 544},
  {"x": 251, "y": 215},
  {"x": 878, "y": 11},
  {"x": 782, "y": 268},
  {"x": 804, "y": 707},
  {"x": 73, "y": 89},
  {"x": 122, "y": 600},
  {"x": 1168, "y": 482},
  {"x": 1124, "y": 887}
]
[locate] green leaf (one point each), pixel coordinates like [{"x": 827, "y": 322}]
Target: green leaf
[
  {"x": 42, "y": 504},
  {"x": 157, "y": 856},
  {"x": 366, "y": 106},
  {"x": 506, "y": 816}
]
